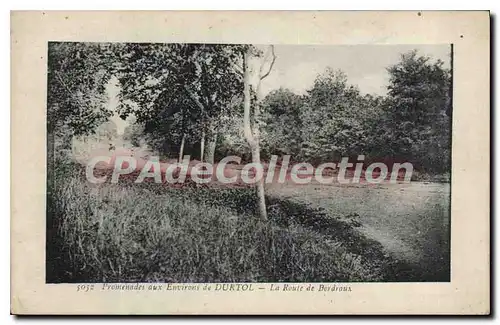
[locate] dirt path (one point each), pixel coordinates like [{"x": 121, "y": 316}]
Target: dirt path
[{"x": 410, "y": 220}]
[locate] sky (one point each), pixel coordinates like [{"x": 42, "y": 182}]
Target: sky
[{"x": 297, "y": 66}]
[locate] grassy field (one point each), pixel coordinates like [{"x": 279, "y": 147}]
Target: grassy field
[
  {"x": 148, "y": 232},
  {"x": 153, "y": 233}
]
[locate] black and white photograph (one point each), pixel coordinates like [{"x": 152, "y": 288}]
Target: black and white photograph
[
  {"x": 250, "y": 163},
  {"x": 232, "y": 163}
]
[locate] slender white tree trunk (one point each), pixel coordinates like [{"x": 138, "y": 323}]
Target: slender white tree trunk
[
  {"x": 252, "y": 135},
  {"x": 202, "y": 145},
  {"x": 210, "y": 151},
  {"x": 261, "y": 195},
  {"x": 181, "y": 149}
]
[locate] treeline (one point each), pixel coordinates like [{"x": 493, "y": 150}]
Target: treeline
[
  {"x": 199, "y": 99},
  {"x": 412, "y": 122},
  {"x": 334, "y": 120}
]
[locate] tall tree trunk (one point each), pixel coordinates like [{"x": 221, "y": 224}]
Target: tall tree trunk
[
  {"x": 252, "y": 140},
  {"x": 202, "y": 145},
  {"x": 210, "y": 152},
  {"x": 202, "y": 110},
  {"x": 181, "y": 149},
  {"x": 261, "y": 195}
]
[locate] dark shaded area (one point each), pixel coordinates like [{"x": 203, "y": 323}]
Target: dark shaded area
[{"x": 286, "y": 213}]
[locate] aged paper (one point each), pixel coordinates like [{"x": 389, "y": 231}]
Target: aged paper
[{"x": 289, "y": 99}]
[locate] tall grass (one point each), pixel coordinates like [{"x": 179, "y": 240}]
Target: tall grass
[{"x": 150, "y": 233}]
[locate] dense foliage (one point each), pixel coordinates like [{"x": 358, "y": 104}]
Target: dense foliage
[
  {"x": 189, "y": 96},
  {"x": 333, "y": 120},
  {"x": 76, "y": 78}
]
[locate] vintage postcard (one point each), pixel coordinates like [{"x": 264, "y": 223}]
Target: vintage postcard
[{"x": 250, "y": 162}]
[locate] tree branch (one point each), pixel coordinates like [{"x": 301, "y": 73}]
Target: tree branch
[{"x": 270, "y": 67}]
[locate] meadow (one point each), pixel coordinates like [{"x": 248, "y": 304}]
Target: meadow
[{"x": 149, "y": 232}]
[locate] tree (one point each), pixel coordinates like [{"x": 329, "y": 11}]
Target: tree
[
  {"x": 417, "y": 112},
  {"x": 147, "y": 75},
  {"x": 252, "y": 130},
  {"x": 77, "y": 74},
  {"x": 215, "y": 85},
  {"x": 282, "y": 123},
  {"x": 333, "y": 117},
  {"x": 194, "y": 82}
]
